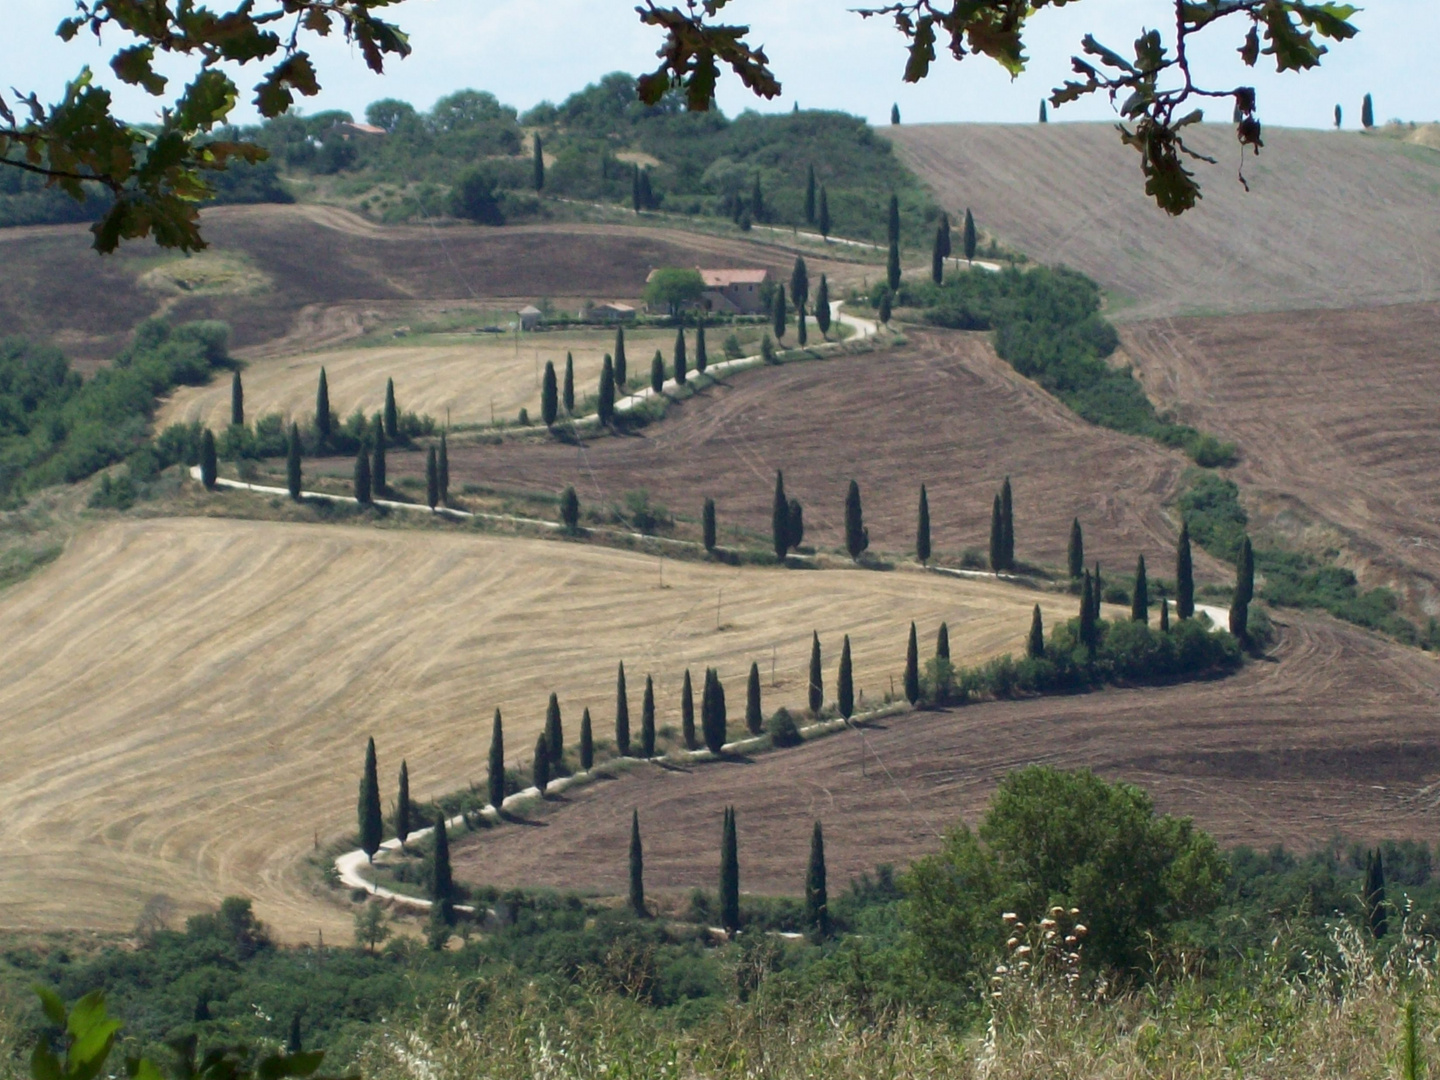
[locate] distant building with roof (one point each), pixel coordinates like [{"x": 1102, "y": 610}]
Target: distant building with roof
[
  {"x": 348, "y": 128},
  {"x": 610, "y": 312},
  {"x": 529, "y": 317},
  {"x": 735, "y": 292}
]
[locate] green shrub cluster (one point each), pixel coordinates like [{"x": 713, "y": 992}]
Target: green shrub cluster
[{"x": 1047, "y": 324}]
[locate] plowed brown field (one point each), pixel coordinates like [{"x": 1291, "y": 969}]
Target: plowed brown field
[
  {"x": 1335, "y": 733},
  {"x": 1332, "y": 219},
  {"x": 1334, "y": 412}
]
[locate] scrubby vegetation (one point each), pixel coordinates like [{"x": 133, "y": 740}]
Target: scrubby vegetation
[{"x": 1047, "y": 323}]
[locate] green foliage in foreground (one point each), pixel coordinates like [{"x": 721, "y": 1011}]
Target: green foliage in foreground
[{"x": 1047, "y": 324}]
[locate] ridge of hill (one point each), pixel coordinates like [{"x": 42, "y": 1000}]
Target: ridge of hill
[{"x": 1332, "y": 219}]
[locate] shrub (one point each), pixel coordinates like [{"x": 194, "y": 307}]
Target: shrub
[{"x": 782, "y": 729}]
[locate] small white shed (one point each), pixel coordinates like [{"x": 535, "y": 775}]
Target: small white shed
[{"x": 529, "y": 317}]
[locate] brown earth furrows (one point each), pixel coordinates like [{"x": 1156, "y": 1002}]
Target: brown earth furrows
[
  {"x": 1334, "y": 412},
  {"x": 1335, "y": 733},
  {"x": 944, "y": 411},
  {"x": 1332, "y": 219}
]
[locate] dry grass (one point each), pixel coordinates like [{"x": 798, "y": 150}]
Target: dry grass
[{"x": 186, "y": 701}]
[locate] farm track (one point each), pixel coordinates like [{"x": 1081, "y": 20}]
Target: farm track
[{"x": 1334, "y": 733}]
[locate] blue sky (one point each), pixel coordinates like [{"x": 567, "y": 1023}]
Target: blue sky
[{"x": 526, "y": 51}]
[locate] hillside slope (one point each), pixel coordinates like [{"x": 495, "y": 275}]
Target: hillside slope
[{"x": 1332, "y": 219}]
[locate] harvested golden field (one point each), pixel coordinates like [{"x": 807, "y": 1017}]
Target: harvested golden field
[
  {"x": 1332, "y": 219},
  {"x": 185, "y": 702}
]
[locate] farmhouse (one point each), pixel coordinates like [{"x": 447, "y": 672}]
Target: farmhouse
[
  {"x": 610, "y": 312},
  {"x": 735, "y": 291}
]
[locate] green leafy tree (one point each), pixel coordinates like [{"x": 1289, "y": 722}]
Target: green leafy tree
[
  {"x": 922, "y": 529},
  {"x": 701, "y": 359},
  {"x": 1007, "y": 524},
  {"x": 810, "y": 196},
  {"x": 1184, "y": 575},
  {"x": 372, "y": 821},
  {"x": 1140, "y": 596},
  {"x": 378, "y": 478},
  {"x": 1367, "y": 112},
  {"x": 606, "y": 404},
  {"x": 857, "y": 537},
  {"x": 671, "y": 289},
  {"x": 292, "y": 462},
  {"x": 372, "y": 927},
  {"x": 971, "y": 239},
  {"x": 554, "y": 734},
  {"x": 796, "y": 528},
  {"x": 432, "y": 479},
  {"x": 442, "y": 890},
  {"x": 540, "y": 766},
  {"x": 687, "y": 714},
  {"x": 754, "y": 719},
  {"x": 587, "y": 743},
  {"x": 362, "y": 477},
  {"x": 845, "y": 682},
  {"x": 237, "y": 401},
  {"x": 681, "y": 361},
  {"x": 707, "y": 524},
  {"x": 209, "y": 468},
  {"x": 1089, "y": 632},
  {"x": 570, "y": 509},
  {"x": 800, "y": 282},
  {"x": 392, "y": 414},
  {"x": 442, "y": 469},
  {"x": 402, "y": 806},
  {"x": 567, "y": 394},
  {"x": 780, "y": 519},
  {"x": 823, "y": 220},
  {"x": 622, "y": 714},
  {"x": 822, "y": 307},
  {"x": 1244, "y": 591},
  {"x": 816, "y": 687},
  {"x": 620, "y": 372},
  {"x": 912, "y": 668},
  {"x": 1035, "y": 646},
  {"x": 474, "y": 198},
  {"x": 497, "y": 763},
  {"x": 647, "y": 720},
  {"x": 322, "y": 413},
  {"x": 637, "y": 868},
  {"x": 997, "y": 537},
  {"x": 549, "y": 396},
  {"x": 537, "y": 168},
  {"x": 657, "y": 373},
  {"x": 817, "y": 899},
  {"x": 729, "y": 874},
  {"x": 942, "y": 642},
  {"x": 779, "y": 313},
  {"x": 1076, "y": 551}
]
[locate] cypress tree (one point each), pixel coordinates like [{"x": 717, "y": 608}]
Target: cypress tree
[
  {"x": 1099, "y": 591},
  {"x": 801, "y": 334},
  {"x": 892, "y": 266},
  {"x": 822, "y": 307},
  {"x": 294, "y": 1044},
  {"x": 757, "y": 200},
  {"x": 443, "y": 470},
  {"x": 647, "y": 720},
  {"x": 707, "y": 524},
  {"x": 824, "y": 216},
  {"x": 606, "y": 405},
  {"x": 549, "y": 396},
  {"x": 292, "y": 462},
  {"x": 800, "y": 282},
  {"x": 1164, "y": 615},
  {"x": 208, "y": 465},
  {"x": 570, "y": 509},
  {"x": 892, "y": 220},
  {"x": 622, "y": 714},
  {"x": 1367, "y": 114},
  {"x": 729, "y": 874},
  {"x": 587, "y": 743},
  {"x": 1076, "y": 552},
  {"x": 657, "y": 373},
  {"x": 1375, "y": 905},
  {"x": 857, "y": 537},
  {"x": 372, "y": 822},
  {"x": 937, "y": 260},
  {"x": 620, "y": 373},
  {"x": 635, "y": 188},
  {"x": 1044, "y": 115},
  {"x": 1088, "y": 635},
  {"x": 779, "y": 313},
  {"x": 567, "y": 393},
  {"x": 796, "y": 528},
  {"x": 541, "y": 764},
  {"x": 845, "y": 682},
  {"x": 362, "y": 477},
  {"x": 637, "y": 868},
  {"x": 322, "y": 412},
  {"x": 1337, "y": 117},
  {"x": 944, "y": 236},
  {"x": 392, "y": 415},
  {"x": 1244, "y": 591},
  {"x": 402, "y": 806},
  {"x": 237, "y": 401},
  {"x": 713, "y": 722},
  {"x": 554, "y": 734},
  {"x": 817, "y": 689},
  {"x": 754, "y": 721},
  {"x": 681, "y": 360},
  {"x": 971, "y": 239},
  {"x": 912, "y": 668},
  {"x": 885, "y": 307},
  {"x": 538, "y": 166},
  {"x": 1035, "y": 647},
  {"x": 443, "y": 882},
  {"x": 1007, "y": 524},
  {"x": 942, "y": 643},
  {"x": 377, "y": 470},
  {"x": 817, "y": 900},
  {"x": 997, "y": 537},
  {"x": 894, "y": 114},
  {"x": 432, "y": 479},
  {"x": 780, "y": 519},
  {"x": 1184, "y": 575},
  {"x": 1140, "y": 598},
  {"x": 647, "y": 197},
  {"x": 701, "y": 360},
  {"x": 497, "y": 763},
  {"x": 810, "y": 196},
  {"x": 687, "y": 714}
]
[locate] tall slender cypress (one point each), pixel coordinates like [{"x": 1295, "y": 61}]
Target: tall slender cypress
[
  {"x": 937, "y": 260},
  {"x": 237, "y": 401},
  {"x": 567, "y": 390},
  {"x": 292, "y": 462},
  {"x": 392, "y": 414},
  {"x": 810, "y": 196},
  {"x": 892, "y": 220},
  {"x": 845, "y": 682},
  {"x": 780, "y": 519},
  {"x": 912, "y": 668},
  {"x": 362, "y": 477},
  {"x": 712, "y": 712},
  {"x": 402, "y": 806},
  {"x": 857, "y": 537},
  {"x": 442, "y": 890},
  {"x": 620, "y": 373},
  {"x": 1007, "y": 524},
  {"x": 779, "y": 313},
  {"x": 942, "y": 643},
  {"x": 800, "y": 282},
  {"x": 432, "y": 479},
  {"x": 884, "y": 312},
  {"x": 802, "y": 335},
  {"x": 537, "y": 168},
  {"x": 817, "y": 899},
  {"x": 647, "y": 720},
  {"x": 209, "y": 466},
  {"x": 497, "y": 763},
  {"x": 729, "y": 874},
  {"x": 549, "y": 396},
  {"x": 605, "y": 405},
  {"x": 822, "y": 307},
  {"x": 1099, "y": 591},
  {"x": 757, "y": 200},
  {"x": 1035, "y": 646},
  {"x": 657, "y": 373},
  {"x": 1088, "y": 636},
  {"x": 587, "y": 743},
  {"x": 754, "y": 720},
  {"x": 701, "y": 360},
  {"x": 971, "y": 238},
  {"x": 378, "y": 480},
  {"x": 322, "y": 412},
  {"x": 637, "y": 868},
  {"x": 1044, "y": 114},
  {"x": 372, "y": 822},
  {"x": 707, "y": 524},
  {"x": 997, "y": 537},
  {"x": 817, "y": 689},
  {"x": 622, "y": 714},
  {"x": 796, "y": 527},
  {"x": 554, "y": 734},
  {"x": 892, "y": 267},
  {"x": 1184, "y": 575},
  {"x": 922, "y": 529},
  {"x": 1076, "y": 552},
  {"x": 1375, "y": 906},
  {"x": 293, "y": 1043},
  {"x": 1140, "y": 596},
  {"x": 635, "y": 200},
  {"x": 1164, "y": 615},
  {"x": 443, "y": 471},
  {"x": 681, "y": 361},
  {"x": 687, "y": 714},
  {"x": 1367, "y": 112},
  {"x": 1244, "y": 591},
  {"x": 541, "y": 764},
  {"x": 824, "y": 216}
]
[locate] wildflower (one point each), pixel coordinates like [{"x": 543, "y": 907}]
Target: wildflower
[
  {"x": 1009, "y": 916},
  {"x": 1056, "y": 912},
  {"x": 1010, "y": 943},
  {"x": 1046, "y": 924},
  {"x": 1081, "y": 929}
]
